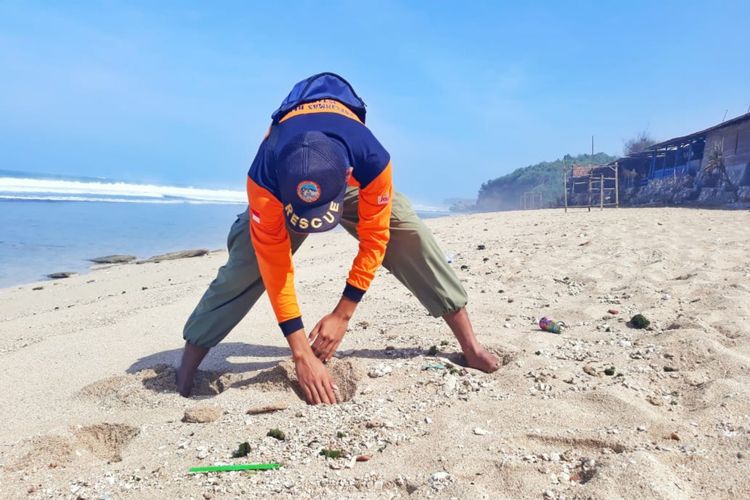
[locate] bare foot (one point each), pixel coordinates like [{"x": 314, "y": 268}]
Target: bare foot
[
  {"x": 191, "y": 358},
  {"x": 184, "y": 386},
  {"x": 482, "y": 359}
]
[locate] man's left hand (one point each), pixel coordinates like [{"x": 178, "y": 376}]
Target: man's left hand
[{"x": 327, "y": 335}]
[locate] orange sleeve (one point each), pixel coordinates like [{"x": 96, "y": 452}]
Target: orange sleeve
[
  {"x": 373, "y": 229},
  {"x": 274, "y": 253}
]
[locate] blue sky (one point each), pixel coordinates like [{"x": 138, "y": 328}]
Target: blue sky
[{"x": 181, "y": 92}]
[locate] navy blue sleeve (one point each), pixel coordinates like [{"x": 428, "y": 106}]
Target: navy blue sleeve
[
  {"x": 370, "y": 157},
  {"x": 261, "y": 170}
]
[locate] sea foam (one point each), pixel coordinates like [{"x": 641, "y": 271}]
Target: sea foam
[{"x": 34, "y": 189}]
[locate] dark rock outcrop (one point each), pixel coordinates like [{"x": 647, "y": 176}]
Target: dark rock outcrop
[
  {"x": 113, "y": 259},
  {"x": 184, "y": 254},
  {"x": 61, "y": 275}
]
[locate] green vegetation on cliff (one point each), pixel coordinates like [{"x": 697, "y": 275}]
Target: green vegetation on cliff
[{"x": 504, "y": 193}]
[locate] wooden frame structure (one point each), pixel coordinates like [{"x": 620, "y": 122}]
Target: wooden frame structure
[
  {"x": 531, "y": 200},
  {"x": 597, "y": 187}
]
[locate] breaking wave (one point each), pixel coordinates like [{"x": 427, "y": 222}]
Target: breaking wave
[
  {"x": 20, "y": 186},
  {"x": 37, "y": 189}
]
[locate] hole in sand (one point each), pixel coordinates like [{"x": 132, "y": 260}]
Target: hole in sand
[
  {"x": 122, "y": 388},
  {"x": 504, "y": 355},
  {"x": 106, "y": 441},
  {"x": 161, "y": 378},
  {"x": 136, "y": 390},
  {"x": 585, "y": 443},
  {"x": 346, "y": 375},
  {"x": 41, "y": 452}
]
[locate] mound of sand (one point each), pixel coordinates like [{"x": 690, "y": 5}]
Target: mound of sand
[
  {"x": 106, "y": 441},
  {"x": 345, "y": 374}
]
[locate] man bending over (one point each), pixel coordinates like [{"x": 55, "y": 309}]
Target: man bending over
[{"x": 318, "y": 166}]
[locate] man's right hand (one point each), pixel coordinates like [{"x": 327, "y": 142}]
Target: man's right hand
[
  {"x": 315, "y": 380},
  {"x": 312, "y": 374}
]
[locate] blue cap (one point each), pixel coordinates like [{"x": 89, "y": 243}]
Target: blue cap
[{"x": 312, "y": 171}]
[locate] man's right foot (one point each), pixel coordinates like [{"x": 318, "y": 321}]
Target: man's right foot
[
  {"x": 191, "y": 359},
  {"x": 482, "y": 359}
]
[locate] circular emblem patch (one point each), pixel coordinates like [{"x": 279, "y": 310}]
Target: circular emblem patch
[{"x": 308, "y": 191}]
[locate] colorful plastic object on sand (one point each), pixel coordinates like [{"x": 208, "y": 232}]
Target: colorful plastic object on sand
[{"x": 550, "y": 325}]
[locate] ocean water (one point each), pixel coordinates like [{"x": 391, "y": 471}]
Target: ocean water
[
  {"x": 38, "y": 238},
  {"x": 56, "y": 224}
]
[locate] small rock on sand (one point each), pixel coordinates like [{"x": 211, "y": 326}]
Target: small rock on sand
[
  {"x": 590, "y": 370},
  {"x": 202, "y": 414},
  {"x": 380, "y": 371},
  {"x": 450, "y": 384},
  {"x": 655, "y": 400},
  {"x": 440, "y": 476}
]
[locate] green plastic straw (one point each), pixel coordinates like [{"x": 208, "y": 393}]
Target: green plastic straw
[{"x": 227, "y": 468}]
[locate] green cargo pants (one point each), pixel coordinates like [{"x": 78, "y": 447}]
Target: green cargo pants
[{"x": 413, "y": 257}]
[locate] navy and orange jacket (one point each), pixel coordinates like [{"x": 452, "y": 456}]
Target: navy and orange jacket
[{"x": 325, "y": 103}]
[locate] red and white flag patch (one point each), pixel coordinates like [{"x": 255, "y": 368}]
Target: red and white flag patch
[{"x": 255, "y": 215}]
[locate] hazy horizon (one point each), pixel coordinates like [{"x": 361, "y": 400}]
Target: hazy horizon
[{"x": 29, "y": 186}]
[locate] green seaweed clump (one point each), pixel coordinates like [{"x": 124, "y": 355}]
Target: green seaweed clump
[
  {"x": 340, "y": 434},
  {"x": 432, "y": 351},
  {"x": 331, "y": 453},
  {"x": 452, "y": 369},
  {"x": 242, "y": 450},
  {"x": 277, "y": 434},
  {"x": 639, "y": 321},
  {"x": 609, "y": 371}
]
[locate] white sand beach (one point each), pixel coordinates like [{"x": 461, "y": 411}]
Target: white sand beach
[{"x": 601, "y": 411}]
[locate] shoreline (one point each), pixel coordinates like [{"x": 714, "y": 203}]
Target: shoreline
[{"x": 78, "y": 260}]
